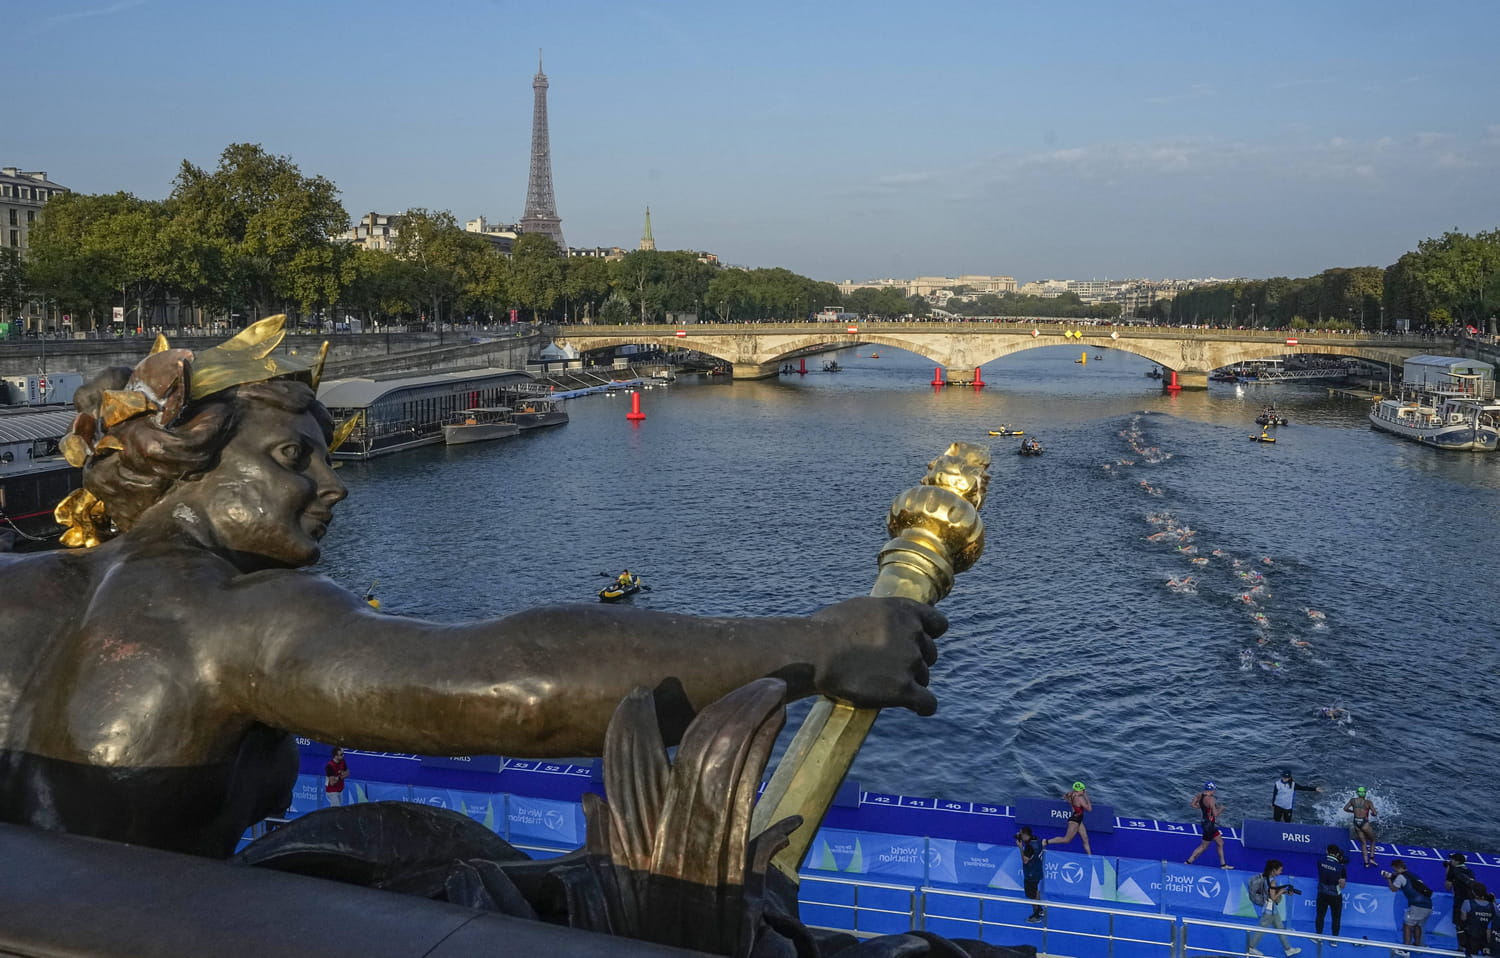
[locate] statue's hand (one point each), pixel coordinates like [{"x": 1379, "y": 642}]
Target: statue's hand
[{"x": 877, "y": 651}]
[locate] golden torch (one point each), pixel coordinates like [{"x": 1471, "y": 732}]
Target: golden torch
[{"x": 936, "y": 534}]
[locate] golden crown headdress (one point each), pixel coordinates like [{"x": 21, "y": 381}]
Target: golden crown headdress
[{"x": 162, "y": 385}]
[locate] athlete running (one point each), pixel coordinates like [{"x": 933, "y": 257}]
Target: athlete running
[
  {"x": 1206, "y": 802},
  {"x": 1078, "y": 801},
  {"x": 1363, "y": 810}
]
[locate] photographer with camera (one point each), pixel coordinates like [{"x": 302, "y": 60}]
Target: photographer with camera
[
  {"x": 1418, "y": 902},
  {"x": 1459, "y": 878},
  {"x": 1269, "y": 897},
  {"x": 1031, "y": 870},
  {"x": 1333, "y": 875}
]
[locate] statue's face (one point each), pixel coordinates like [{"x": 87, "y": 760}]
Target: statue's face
[{"x": 273, "y": 492}]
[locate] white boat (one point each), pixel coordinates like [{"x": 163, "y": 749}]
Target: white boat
[
  {"x": 1447, "y": 402},
  {"x": 1447, "y": 422},
  {"x": 479, "y": 424},
  {"x": 533, "y": 413}
]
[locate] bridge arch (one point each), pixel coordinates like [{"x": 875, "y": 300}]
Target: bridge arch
[{"x": 758, "y": 350}]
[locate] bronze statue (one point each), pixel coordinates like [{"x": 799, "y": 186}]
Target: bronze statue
[{"x": 151, "y": 681}]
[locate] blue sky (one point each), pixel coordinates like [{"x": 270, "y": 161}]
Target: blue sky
[{"x": 844, "y": 141}]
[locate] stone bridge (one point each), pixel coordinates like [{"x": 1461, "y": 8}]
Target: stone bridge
[{"x": 758, "y": 350}]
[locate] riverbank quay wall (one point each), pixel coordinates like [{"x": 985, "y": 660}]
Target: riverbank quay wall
[
  {"x": 758, "y": 350},
  {"x": 349, "y": 354}
]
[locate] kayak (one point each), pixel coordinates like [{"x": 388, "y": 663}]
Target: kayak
[
  {"x": 1007, "y": 432},
  {"x": 614, "y": 592}
]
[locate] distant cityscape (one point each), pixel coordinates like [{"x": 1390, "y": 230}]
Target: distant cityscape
[{"x": 1135, "y": 296}]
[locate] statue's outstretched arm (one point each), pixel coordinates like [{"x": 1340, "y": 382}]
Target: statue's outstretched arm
[{"x": 544, "y": 682}]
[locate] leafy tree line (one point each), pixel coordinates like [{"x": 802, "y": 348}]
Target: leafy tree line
[
  {"x": 1064, "y": 306},
  {"x": 1452, "y": 279},
  {"x": 255, "y": 236}
]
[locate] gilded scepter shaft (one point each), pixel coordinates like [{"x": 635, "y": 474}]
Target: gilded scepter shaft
[{"x": 936, "y": 533}]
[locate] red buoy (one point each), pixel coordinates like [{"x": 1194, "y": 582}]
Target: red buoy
[
  {"x": 937, "y": 377},
  {"x": 978, "y": 378},
  {"x": 803, "y": 369},
  {"x": 635, "y": 414},
  {"x": 1172, "y": 384}
]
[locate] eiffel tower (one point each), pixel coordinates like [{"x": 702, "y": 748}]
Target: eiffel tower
[{"x": 541, "y": 207}]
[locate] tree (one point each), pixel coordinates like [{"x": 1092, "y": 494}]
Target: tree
[
  {"x": 382, "y": 285},
  {"x": 444, "y": 262},
  {"x": 91, "y": 251},
  {"x": 262, "y": 217},
  {"x": 536, "y": 271},
  {"x": 586, "y": 284},
  {"x": 13, "y": 286}
]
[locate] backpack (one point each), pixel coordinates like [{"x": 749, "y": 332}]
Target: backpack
[
  {"x": 1418, "y": 884},
  {"x": 1259, "y": 888}
]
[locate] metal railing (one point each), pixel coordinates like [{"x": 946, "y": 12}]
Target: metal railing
[
  {"x": 1303, "y": 939},
  {"x": 911, "y": 915},
  {"x": 1166, "y": 943}
]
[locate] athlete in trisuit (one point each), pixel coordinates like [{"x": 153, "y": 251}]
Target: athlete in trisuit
[
  {"x": 1078, "y": 800},
  {"x": 1363, "y": 810},
  {"x": 1205, "y": 802}
]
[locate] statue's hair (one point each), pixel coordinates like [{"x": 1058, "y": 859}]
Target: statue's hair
[{"x": 154, "y": 458}]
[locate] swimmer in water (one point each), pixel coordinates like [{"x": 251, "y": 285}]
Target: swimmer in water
[
  {"x": 1266, "y": 560},
  {"x": 1199, "y": 561},
  {"x": 1315, "y": 615},
  {"x": 1335, "y": 713},
  {"x": 1271, "y": 666}
]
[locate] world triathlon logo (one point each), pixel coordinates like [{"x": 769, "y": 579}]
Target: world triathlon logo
[
  {"x": 1363, "y": 902},
  {"x": 553, "y": 819},
  {"x": 1071, "y": 872},
  {"x": 934, "y": 857},
  {"x": 1208, "y": 886}
]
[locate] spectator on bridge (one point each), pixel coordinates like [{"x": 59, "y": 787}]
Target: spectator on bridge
[{"x": 1284, "y": 795}]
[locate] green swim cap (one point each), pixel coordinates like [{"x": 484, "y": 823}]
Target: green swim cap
[
  {"x": 1077, "y": 786},
  {"x": 1360, "y": 790}
]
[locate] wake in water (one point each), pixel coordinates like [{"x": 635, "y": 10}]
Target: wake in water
[{"x": 1273, "y": 644}]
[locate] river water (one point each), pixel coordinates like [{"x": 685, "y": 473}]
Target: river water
[{"x": 1341, "y": 568}]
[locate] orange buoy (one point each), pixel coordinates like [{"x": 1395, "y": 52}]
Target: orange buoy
[
  {"x": 635, "y": 414},
  {"x": 937, "y": 377},
  {"x": 978, "y": 378}
]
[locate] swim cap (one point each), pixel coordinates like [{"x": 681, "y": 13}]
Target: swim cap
[
  {"x": 1360, "y": 790},
  {"x": 1209, "y": 786},
  {"x": 1078, "y": 786},
  {"x": 1286, "y": 773}
]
